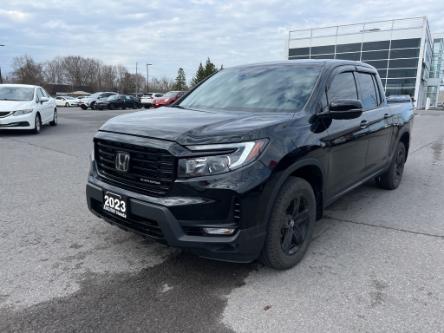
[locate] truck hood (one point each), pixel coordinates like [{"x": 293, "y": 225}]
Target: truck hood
[
  {"x": 186, "y": 126},
  {"x": 15, "y": 105}
]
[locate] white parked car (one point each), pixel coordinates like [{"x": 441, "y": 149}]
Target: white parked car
[
  {"x": 66, "y": 101},
  {"x": 26, "y": 107},
  {"x": 91, "y": 100},
  {"x": 148, "y": 99}
]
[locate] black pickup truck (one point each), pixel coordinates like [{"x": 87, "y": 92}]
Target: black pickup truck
[{"x": 243, "y": 165}]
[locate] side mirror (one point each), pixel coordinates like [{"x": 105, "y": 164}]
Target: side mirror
[
  {"x": 43, "y": 99},
  {"x": 345, "y": 109}
]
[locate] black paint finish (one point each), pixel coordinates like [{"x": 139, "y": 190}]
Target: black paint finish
[{"x": 334, "y": 155}]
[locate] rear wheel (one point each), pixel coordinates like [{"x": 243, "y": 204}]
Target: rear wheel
[
  {"x": 84, "y": 107},
  {"x": 54, "y": 119},
  {"x": 66, "y": 104},
  {"x": 391, "y": 179},
  {"x": 290, "y": 228},
  {"x": 93, "y": 105},
  {"x": 37, "y": 124}
]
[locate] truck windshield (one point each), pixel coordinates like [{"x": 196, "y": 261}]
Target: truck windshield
[
  {"x": 269, "y": 88},
  {"x": 16, "y": 93}
]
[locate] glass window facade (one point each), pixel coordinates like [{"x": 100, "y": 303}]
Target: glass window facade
[
  {"x": 395, "y": 60},
  {"x": 436, "y": 72},
  {"x": 407, "y": 58}
]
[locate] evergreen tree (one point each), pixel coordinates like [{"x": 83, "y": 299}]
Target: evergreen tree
[
  {"x": 200, "y": 75},
  {"x": 210, "y": 68},
  {"x": 204, "y": 72},
  {"x": 181, "y": 82}
]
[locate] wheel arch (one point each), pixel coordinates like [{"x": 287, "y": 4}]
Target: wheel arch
[
  {"x": 309, "y": 169},
  {"x": 405, "y": 139}
]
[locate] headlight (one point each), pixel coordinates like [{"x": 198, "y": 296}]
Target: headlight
[
  {"x": 220, "y": 158},
  {"x": 22, "y": 112}
]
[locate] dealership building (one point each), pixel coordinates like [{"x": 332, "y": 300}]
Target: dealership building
[{"x": 408, "y": 57}]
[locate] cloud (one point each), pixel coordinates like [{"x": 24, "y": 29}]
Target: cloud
[
  {"x": 14, "y": 15},
  {"x": 176, "y": 33}
]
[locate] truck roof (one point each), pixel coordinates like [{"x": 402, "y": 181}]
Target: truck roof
[{"x": 329, "y": 63}]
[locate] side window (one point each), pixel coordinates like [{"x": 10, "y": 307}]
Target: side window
[
  {"x": 343, "y": 86},
  {"x": 39, "y": 94},
  {"x": 367, "y": 91},
  {"x": 379, "y": 93},
  {"x": 45, "y": 94}
]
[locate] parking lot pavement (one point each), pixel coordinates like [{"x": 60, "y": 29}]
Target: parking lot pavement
[{"x": 376, "y": 263}]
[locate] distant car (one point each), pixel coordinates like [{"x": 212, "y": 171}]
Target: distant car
[
  {"x": 399, "y": 99},
  {"x": 118, "y": 102},
  {"x": 169, "y": 98},
  {"x": 26, "y": 107},
  {"x": 66, "y": 101},
  {"x": 148, "y": 99},
  {"x": 91, "y": 100}
]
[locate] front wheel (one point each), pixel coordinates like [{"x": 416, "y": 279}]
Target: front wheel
[
  {"x": 391, "y": 179},
  {"x": 54, "y": 119},
  {"x": 290, "y": 228},
  {"x": 37, "y": 124}
]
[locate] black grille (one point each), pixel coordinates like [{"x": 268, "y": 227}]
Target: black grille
[
  {"x": 4, "y": 114},
  {"x": 151, "y": 171},
  {"x": 236, "y": 210},
  {"x": 146, "y": 227}
]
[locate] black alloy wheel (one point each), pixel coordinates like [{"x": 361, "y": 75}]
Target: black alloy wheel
[
  {"x": 290, "y": 228},
  {"x": 294, "y": 229},
  {"x": 391, "y": 179}
]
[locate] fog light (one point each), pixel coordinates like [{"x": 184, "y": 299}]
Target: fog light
[{"x": 219, "y": 231}]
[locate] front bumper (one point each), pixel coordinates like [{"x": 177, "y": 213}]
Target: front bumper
[
  {"x": 158, "y": 222},
  {"x": 178, "y": 219},
  {"x": 23, "y": 122}
]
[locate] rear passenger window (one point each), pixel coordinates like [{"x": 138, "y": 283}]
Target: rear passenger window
[
  {"x": 367, "y": 91},
  {"x": 343, "y": 86}
]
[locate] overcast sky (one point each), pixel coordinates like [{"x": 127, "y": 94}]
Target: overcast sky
[{"x": 174, "y": 33}]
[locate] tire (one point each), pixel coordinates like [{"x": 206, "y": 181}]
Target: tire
[
  {"x": 38, "y": 124},
  {"x": 84, "y": 107},
  {"x": 291, "y": 224},
  {"x": 66, "y": 105},
  {"x": 54, "y": 119},
  {"x": 391, "y": 179},
  {"x": 93, "y": 105}
]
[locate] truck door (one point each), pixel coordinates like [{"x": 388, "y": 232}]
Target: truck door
[
  {"x": 346, "y": 141},
  {"x": 377, "y": 117}
]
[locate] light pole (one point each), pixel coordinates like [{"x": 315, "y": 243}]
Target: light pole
[
  {"x": 1, "y": 77},
  {"x": 147, "y": 78}
]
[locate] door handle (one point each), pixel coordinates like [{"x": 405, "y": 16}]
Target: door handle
[{"x": 363, "y": 124}]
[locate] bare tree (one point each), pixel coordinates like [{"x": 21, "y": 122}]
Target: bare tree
[
  {"x": 90, "y": 73},
  {"x": 163, "y": 84},
  {"x": 53, "y": 71},
  {"x": 108, "y": 77},
  {"x": 26, "y": 70}
]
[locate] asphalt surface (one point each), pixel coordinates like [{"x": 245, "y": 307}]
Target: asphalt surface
[{"x": 376, "y": 263}]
